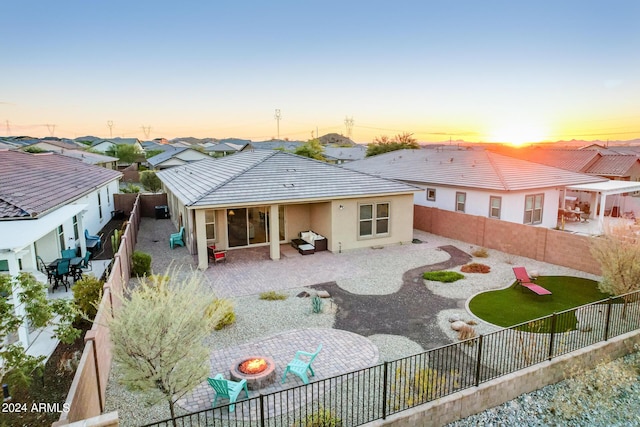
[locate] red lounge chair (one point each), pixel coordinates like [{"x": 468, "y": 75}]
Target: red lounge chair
[{"x": 523, "y": 279}]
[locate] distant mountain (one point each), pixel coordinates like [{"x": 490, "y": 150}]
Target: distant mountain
[{"x": 335, "y": 138}]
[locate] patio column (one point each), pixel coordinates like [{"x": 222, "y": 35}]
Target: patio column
[
  {"x": 603, "y": 201},
  {"x": 14, "y": 270},
  {"x": 274, "y": 232},
  {"x": 201, "y": 240}
]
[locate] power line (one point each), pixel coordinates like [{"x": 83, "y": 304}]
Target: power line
[
  {"x": 147, "y": 131},
  {"x": 52, "y": 129},
  {"x": 110, "y": 124},
  {"x": 348, "y": 122}
]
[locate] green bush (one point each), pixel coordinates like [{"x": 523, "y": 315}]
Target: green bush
[
  {"x": 272, "y": 296},
  {"x": 87, "y": 294},
  {"x": 443, "y": 276},
  {"x": 221, "y": 313},
  {"x": 141, "y": 264},
  {"x": 130, "y": 188},
  {"x": 322, "y": 418}
]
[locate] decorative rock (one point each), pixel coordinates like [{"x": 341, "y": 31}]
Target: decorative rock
[
  {"x": 324, "y": 294},
  {"x": 456, "y": 326},
  {"x": 303, "y": 294},
  {"x": 534, "y": 274},
  {"x": 454, "y": 318}
]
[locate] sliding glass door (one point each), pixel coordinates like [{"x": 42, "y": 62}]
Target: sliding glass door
[{"x": 250, "y": 226}]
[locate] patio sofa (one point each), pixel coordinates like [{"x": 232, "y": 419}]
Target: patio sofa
[{"x": 318, "y": 242}]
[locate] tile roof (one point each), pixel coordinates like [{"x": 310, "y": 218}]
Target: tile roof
[
  {"x": 88, "y": 157},
  {"x": 269, "y": 176},
  {"x": 345, "y": 153},
  {"x": 572, "y": 160},
  {"x": 469, "y": 168},
  {"x": 33, "y": 184},
  {"x": 166, "y": 155},
  {"x": 613, "y": 165}
]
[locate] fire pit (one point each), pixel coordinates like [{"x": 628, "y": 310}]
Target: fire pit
[{"x": 259, "y": 371}]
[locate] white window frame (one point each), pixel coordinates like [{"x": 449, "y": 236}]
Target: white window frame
[
  {"x": 99, "y": 206},
  {"x": 491, "y": 207},
  {"x": 374, "y": 220},
  {"x": 210, "y": 239},
  {"x": 63, "y": 243},
  {"x": 532, "y": 211},
  {"x": 431, "y": 198},
  {"x": 464, "y": 201}
]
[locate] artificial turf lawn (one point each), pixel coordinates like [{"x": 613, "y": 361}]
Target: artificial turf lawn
[{"x": 514, "y": 305}]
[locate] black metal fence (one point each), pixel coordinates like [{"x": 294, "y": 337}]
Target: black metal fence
[{"x": 373, "y": 393}]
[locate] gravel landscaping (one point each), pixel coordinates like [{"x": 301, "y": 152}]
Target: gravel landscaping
[{"x": 260, "y": 318}]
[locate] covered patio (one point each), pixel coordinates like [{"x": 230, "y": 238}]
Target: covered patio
[{"x": 609, "y": 202}]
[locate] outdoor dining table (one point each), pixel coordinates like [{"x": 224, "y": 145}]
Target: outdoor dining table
[{"x": 74, "y": 266}]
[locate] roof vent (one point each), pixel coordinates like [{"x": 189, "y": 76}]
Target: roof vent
[
  {"x": 289, "y": 185},
  {"x": 290, "y": 170}
]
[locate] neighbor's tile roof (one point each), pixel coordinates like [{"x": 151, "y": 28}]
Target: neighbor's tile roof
[
  {"x": 345, "y": 153},
  {"x": 166, "y": 155},
  {"x": 613, "y": 165},
  {"x": 572, "y": 160},
  {"x": 469, "y": 169},
  {"x": 267, "y": 176},
  {"x": 33, "y": 184}
]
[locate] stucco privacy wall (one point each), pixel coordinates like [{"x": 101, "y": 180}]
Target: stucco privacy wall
[
  {"x": 542, "y": 244},
  {"x": 495, "y": 392}
]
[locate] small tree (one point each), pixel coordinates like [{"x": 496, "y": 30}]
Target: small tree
[
  {"x": 40, "y": 313},
  {"x": 124, "y": 152},
  {"x": 618, "y": 252},
  {"x": 312, "y": 149},
  {"x": 384, "y": 144},
  {"x": 150, "y": 181},
  {"x": 158, "y": 335}
]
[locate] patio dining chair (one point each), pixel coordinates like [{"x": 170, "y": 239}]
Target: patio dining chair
[
  {"x": 62, "y": 274},
  {"x": 228, "y": 389},
  {"x": 86, "y": 261},
  {"x": 299, "y": 366},
  {"x": 44, "y": 268},
  {"x": 69, "y": 253}
]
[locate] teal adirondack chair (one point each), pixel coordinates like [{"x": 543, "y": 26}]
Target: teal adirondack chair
[
  {"x": 228, "y": 389},
  {"x": 300, "y": 367},
  {"x": 177, "y": 238}
]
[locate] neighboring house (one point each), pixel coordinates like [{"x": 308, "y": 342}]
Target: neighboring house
[
  {"x": 53, "y": 145},
  {"x": 265, "y": 198},
  {"x": 277, "y": 144},
  {"x": 175, "y": 156},
  {"x": 103, "y": 145},
  {"x": 46, "y": 202},
  {"x": 89, "y": 158},
  {"x": 339, "y": 155},
  {"x": 222, "y": 149},
  {"x": 479, "y": 183}
]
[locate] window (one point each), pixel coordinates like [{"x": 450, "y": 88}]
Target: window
[
  {"x": 374, "y": 220},
  {"x": 431, "y": 194},
  {"x": 63, "y": 245},
  {"x": 108, "y": 198},
  {"x": 210, "y": 223},
  {"x": 533, "y": 208},
  {"x": 76, "y": 232},
  {"x": 461, "y": 200},
  {"x": 99, "y": 206},
  {"x": 495, "y": 203}
]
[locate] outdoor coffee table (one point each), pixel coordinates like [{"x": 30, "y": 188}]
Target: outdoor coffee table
[{"x": 306, "y": 249}]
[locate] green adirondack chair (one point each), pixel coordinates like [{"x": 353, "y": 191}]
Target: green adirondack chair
[
  {"x": 228, "y": 389},
  {"x": 177, "y": 238},
  {"x": 300, "y": 367}
]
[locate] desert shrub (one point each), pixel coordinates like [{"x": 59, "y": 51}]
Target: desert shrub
[
  {"x": 475, "y": 267},
  {"x": 466, "y": 332},
  {"x": 272, "y": 296},
  {"x": 594, "y": 390},
  {"x": 416, "y": 386},
  {"x": 141, "y": 264},
  {"x": 321, "y": 418},
  {"x": 471, "y": 322},
  {"x": 442, "y": 276},
  {"x": 480, "y": 253},
  {"x": 221, "y": 313},
  {"x": 87, "y": 294},
  {"x": 130, "y": 188}
]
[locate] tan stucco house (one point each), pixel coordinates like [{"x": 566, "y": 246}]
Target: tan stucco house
[{"x": 266, "y": 198}]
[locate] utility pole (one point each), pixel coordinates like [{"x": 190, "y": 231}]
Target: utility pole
[
  {"x": 348, "y": 122},
  {"x": 147, "y": 131},
  {"x": 52, "y": 129},
  {"x": 110, "y": 124},
  {"x": 278, "y": 116},
  {"x": 8, "y": 127}
]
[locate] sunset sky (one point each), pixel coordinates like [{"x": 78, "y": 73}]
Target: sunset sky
[{"x": 473, "y": 70}]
